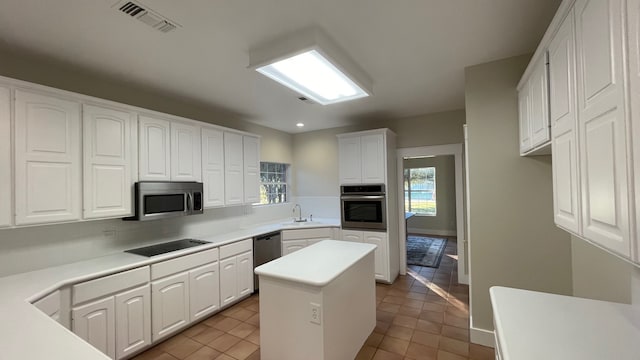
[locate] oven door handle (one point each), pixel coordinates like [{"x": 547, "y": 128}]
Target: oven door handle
[{"x": 362, "y": 197}]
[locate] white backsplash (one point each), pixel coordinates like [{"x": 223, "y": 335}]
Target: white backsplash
[
  {"x": 37, "y": 247},
  {"x": 319, "y": 206}
]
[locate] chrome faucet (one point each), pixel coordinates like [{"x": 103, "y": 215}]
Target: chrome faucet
[{"x": 300, "y": 219}]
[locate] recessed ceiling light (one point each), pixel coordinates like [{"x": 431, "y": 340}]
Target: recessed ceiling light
[
  {"x": 300, "y": 125},
  {"x": 310, "y": 64}
]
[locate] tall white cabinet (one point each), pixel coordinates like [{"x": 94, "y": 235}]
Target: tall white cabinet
[
  {"x": 564, "y": 120},
  {"x": 47, "y": 158},
  {"x": 602, "y": 123},
  {"x": 213, "y": 167},
  {"x": 109, "y": 158},
  {"x": 5, "y": 157},
  {"x": 369, "y": 157},
  {"x": 633, "y": 40},
  {"x": 155, "y": 149}
]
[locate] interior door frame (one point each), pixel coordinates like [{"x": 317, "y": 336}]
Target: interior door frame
[{"x": 436, "y": 150}]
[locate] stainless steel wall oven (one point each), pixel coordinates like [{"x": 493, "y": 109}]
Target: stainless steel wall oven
[{"x": 363, "y": 207}]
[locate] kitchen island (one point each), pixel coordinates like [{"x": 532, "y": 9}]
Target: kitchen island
[{"x": 317, "y": 303}]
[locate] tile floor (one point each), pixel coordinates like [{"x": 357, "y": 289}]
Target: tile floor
[{"x": 423, "y": 315}]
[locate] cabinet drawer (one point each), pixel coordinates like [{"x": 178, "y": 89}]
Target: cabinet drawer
[
  {"x": 236, "y": 248},
  {"x": 109, "y": 284},
  {"x": 183, "y": 263},
  {"x": 325, "y": 233}
]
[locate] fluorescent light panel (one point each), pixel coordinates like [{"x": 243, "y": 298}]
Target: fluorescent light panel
[{"x": 312, "y": 75}]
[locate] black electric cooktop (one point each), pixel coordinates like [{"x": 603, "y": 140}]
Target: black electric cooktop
[{"x": 167, "y": 247}]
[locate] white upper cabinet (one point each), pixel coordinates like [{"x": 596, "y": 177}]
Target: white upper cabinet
[
  {"x": 564, "y": 117},
  {"x": 533, "y": 98},
  {"x": 109, "y": 149},
  {"x": 5, "y": 157},
  {"x": 213, "y": 167},
  {"x": 251, "y": 163},
  {"x": 373, "y": 159},
  {"x": 154, "y": 149},
  {"x": 349, "y": 160},
  {"x": 233, "y": 169},
  {"x": 362, "y": 158},
  {"x": 47, "y": 159},
  {"x": 185, "y": 152},
  {"x": 602, "y": 123},
  {"x": 633, "y": 26}
]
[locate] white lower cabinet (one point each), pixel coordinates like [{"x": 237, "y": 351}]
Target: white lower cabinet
[
  {"x": 113, "y": 313},
  {"x": 204, "y": 291},
  {"x": 236, "y": 271},
  {"x": 95, "y": 323},
  {"x": 294, "y": 240},
  {"x": 170, "y": 304},
  {"x": 133, "y": 321},
  {"x": 381, "y": 240}
]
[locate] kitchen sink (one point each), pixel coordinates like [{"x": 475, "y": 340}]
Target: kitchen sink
[
  {"x": 167, "y": 247},
  {"x": 302, "y": 224}
]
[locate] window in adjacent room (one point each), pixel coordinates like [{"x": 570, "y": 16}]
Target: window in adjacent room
[
  {"x": 273, "y": 183},
  {"x": 420, "y": 191}
]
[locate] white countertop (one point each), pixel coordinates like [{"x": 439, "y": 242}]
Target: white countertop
[
  {"x": 27, "y": 333},
  {"x": 318, "y": 264},
  {"x": 532, "y": 325}
]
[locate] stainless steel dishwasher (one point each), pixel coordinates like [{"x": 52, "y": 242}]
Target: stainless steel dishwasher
[{"x": 265, "y": 248}]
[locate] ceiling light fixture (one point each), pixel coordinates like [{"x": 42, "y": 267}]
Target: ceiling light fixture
[
  {"x": 300, "y": 125},
  {"x": 311, "y": 64}
]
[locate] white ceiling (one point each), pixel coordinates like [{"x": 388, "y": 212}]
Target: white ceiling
[{"x": 415, "y": 51}]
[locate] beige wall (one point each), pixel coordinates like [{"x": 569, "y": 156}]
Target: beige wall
[
  {"x": 316, "y": 152},
  {"x": 444, "y": 223},
  {"x": 598, "y": 274},
  {"x": 513, "y": 239},
  {"x": 276, "y": 145}
]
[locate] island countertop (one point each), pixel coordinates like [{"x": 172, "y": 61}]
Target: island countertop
[
  {"x": 303, "y": 266},
  {"x": 533, "y": 325}
]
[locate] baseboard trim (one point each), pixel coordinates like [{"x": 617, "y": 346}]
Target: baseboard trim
[
  {"x": 482, "y": 337},
  {"x": 431, "y": 232}
]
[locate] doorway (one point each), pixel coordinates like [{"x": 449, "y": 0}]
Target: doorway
[{"x": 425, "y": 152}]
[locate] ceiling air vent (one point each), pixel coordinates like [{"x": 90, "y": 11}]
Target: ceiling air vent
[{"x": 147, "y": 16}]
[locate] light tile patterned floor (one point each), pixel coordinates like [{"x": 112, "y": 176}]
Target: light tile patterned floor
[{"x": 423, "y": 315}]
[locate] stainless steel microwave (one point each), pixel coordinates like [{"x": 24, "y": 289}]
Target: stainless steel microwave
[
  {"x": 163, "y": 199},
  {"x": 363, "y": 207}
]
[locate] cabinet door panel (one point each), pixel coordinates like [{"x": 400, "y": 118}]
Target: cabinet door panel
[
  {"x": 185, "y": 152},
  {"x": 352, "y": 235},
  {"x": 562, "y": 88},
  {"x": 290, "y": 246},
  {"x": 213, "y": 167},
  {"x": 373, "y": 159},
  {"x": 204, "y": 290},
  {"x": 155, "y": 149},
  {"x": 539, "y": 121},
  {"x": 350, "y": 160},
  {"x": 170, "y": 304},
  {"x": 228, "y": 281},
  {"x": 523, "y": 116},
  {"x": 107, "y": 162},
  {"x": 251, "y": 162},
  {"x": 233, "y": 168},
  {"x": 602, "y": 124},
  {"x": 380, "y": 240},
  {"x": 245, "y": 273},
  {"x": 47, "y": 159},
  {"x": 133, "y": 321},
  {"x": 5, "y": 157},
  {"x": 95, "y": 323}
]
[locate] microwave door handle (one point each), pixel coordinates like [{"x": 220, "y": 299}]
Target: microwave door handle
[{"x": 189, "y": 207}]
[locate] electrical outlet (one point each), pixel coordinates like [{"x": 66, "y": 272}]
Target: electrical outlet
[{"x": 315, "y": 313}]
